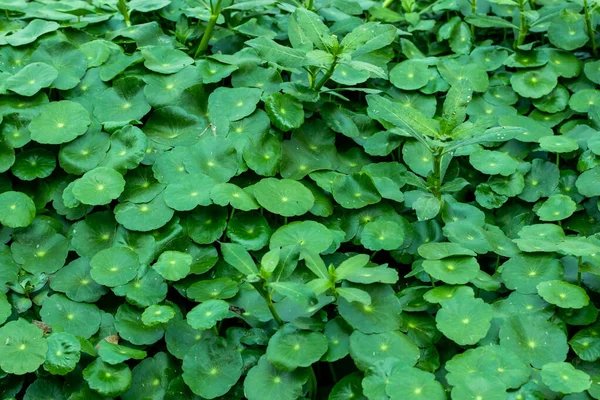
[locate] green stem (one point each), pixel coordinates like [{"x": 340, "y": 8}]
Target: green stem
[
  {"x": 523, "y": 24},
  {"x": 579, "y": 265},
  {"x": 432, "y": 281},
  {"x": 122, "y": 7},
  {"x": 437, "y": 175},
  {"x": 589, "y": 28},
  {"x": 312, "y": 390},
  {"x": 473, "y": 11},
  {"x": 207, "y": 35},
  {"x": 333, "y": 374},
  {"x": 232, "y": 212},
  {"x": 309, "y": 4},
  {"x": 387, "y": 3},
  {"x": 267, "y": 296},
  {"x": 557, "y": 160},
  {"x": 327, "y": 75}
]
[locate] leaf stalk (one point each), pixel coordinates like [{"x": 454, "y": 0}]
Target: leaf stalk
[
  {"x": 122, "y": 7},
  {"x": 327, "y": 75},
  {"x": 207, "y": 35},
  {"x": 589, "y": 28}
]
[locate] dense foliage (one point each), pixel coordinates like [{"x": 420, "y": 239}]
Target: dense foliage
[{"x": 275, "y": 200}]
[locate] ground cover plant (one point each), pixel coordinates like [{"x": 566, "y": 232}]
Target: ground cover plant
[{"x": 277, "y": 200}]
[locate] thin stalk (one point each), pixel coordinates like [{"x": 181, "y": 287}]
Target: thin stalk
[
  {"x": 207, "y": 35},
  {"x": 437, "y": 175},
  {"x": 327, "y": 75},
  {"x": 267, "y": 296},
  {"x": 523, "y": 24},
  {"x": 232, "y": 212},
  {"x": 333, "y": 374},
  {"x": 579, "y": 265},
  {"x": 122, "y": 7},
  {"x": 313, "y": 384},
  {"x": 473, "y": 11},
  {"x": 309, "y": 4},
  {"x": 557, "y": 160},
  {"x": 432, "y": 281},
  {"x": 387, "y": 3},
  {"x": 589, "y": 28}
]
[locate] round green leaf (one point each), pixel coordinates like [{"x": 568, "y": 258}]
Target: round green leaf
[
  {"x": 452, "y": 270},
  {"x": 22, "y": 347},
  {"x": 212, "y": 367},
  {"x": 309, "y": 234},
  {"x": 63, "y": 353},
  {"x": 17, "y": 210},
  {"x": 558, "y": 144},
  {"x": 382, "y": 315},
  {"x": 224, "y": 194},
  {"x": 165, "y": 60},
  {"x": 534, "y": 339},
  {"x": 106, "y": 379},
  {"x": 582, "y": 100},
  {"x": 173, "y": 265},
  {"x": 114, "y": 354},
  {"x": 524, "y": 272},
  {"x": 157, "y": 314},
  {"x": 249, "y": 229},
  {"x": 99, "y": 186},
  {"x": 283, "y": 196},
  {"x": 32, "y": 78},
  {"x": 217, "y": 288},
  {"x": 129, "y": 325},
  {"x": 206, "y": 315},
  {"x": 265, "y": 381},
  {"x": 355, "y": 191},
  {"x": 80, "y": 319},
  {"x": 34, "y": 163},
  {"x": 368, "y": 349},
  {"x": 463, "y": 319},
  {"x": 563, "y": 294},
  {"x": 189, "y": 192},
  {"x": 562, "y": 377},
  {"x": 410, "y": 74},
  {"x": 288, "y": 350},
  {"x": 382, "y": 235},
  {"x": 414, "y": 384},
  {"x": 59, "y": 122},
  {"x": 144, "y": 217},
  {"x": 493, "y": 162},
  {"x": 114, "y": 266},
  {"x": 285, "y": 111},
  {"x": 556, "y": 208},
  {"x": 534, "y": 83}
]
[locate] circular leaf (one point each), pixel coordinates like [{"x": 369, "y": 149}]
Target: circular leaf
[
  {"x": 17, "y": 210},
  {"x": 283, "y": 196},
  {"x": 59, "y": 122},
  {"x": 212, "y": 367}
]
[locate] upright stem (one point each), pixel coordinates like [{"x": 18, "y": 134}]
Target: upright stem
[
  {"x": 309, "y": 4},
  {"x": 267, "y": 296},
  {"x": 523, "y": 24},
  {"x": 207, "y": 35},
  {"x": 473, "y": 11},
  {"x": 327, "y": 75},
  {"x": 386, "y": 3},
  {"x": 589, "y": 28},
  {"x": 122, "y": 7},
  {"x": 437, "y": 175}
]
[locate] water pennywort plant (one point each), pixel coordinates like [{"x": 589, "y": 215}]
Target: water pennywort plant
[{"x": 289, "y": 199}]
